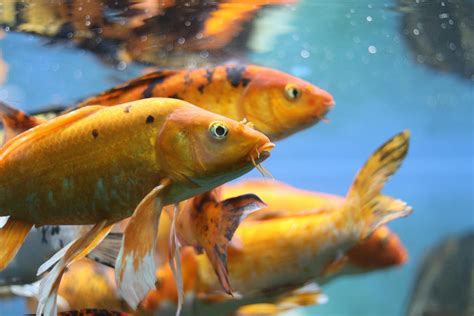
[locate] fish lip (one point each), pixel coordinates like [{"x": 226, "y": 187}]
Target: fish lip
[{"x": 264, "y": 151}]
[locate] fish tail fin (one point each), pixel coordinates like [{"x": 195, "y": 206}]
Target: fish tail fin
[
  {"x": 15, "y": 121},
  {"x": 364, "y": 202},
  {"x": 12, "y": 236},
  {"x": 215, "y": 236}
]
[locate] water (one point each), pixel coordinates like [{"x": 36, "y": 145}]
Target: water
[{"x": 357, "y": 51}]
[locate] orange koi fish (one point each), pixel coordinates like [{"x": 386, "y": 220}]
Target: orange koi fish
[
  {"x": 96, "y": 164},
  {"x": 310, "y": 245},
  {"x": 277, "y": 103}
]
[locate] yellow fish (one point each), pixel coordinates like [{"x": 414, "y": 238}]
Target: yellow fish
[{"x": 99, "y": 165}]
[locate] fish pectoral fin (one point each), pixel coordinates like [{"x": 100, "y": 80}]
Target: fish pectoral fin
[
  {"x": 107, "y": 251},
  {"x": 78, "y": 249},
  {"x": 26, "y": 290},
  {"x": 15, "y": 121},
  {"x": 215, "y": 240},
  {"x": 135, "y": 267},
  {"x": 12, "y": 236}
]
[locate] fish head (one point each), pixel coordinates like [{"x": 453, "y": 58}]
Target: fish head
[
  {"x": 209, "y": 149},
  {"x": 280, "y": 104},
  {"x": 382, "y": 249}
]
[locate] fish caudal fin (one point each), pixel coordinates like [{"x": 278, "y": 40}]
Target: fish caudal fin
[
  {"x": 214, "y": 235},
  {"x": 12, "y": 236},
  {"x": 364, "y": 201},
  {"x": 77, "y": 250},
  {"x": 15, "y": 121},
  {"x": 135, "y": 267}
]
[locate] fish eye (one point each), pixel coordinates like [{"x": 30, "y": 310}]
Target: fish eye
[
  {"x": 292, "y": 92},
  {"x": 218, "y": 130}
]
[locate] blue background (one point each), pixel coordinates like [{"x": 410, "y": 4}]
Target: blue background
[{"x": 377, "y": 95}]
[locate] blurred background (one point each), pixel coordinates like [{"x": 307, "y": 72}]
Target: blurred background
[{"x": 390, "y": 65}]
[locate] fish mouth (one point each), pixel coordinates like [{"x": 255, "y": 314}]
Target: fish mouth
[{"x": 263, "y": 152}]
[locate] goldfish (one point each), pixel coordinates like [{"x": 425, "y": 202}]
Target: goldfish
[
  {"x": 96, "y": 164},
  {"x": 278, "y": 253},
  {"x": 311, "y": 245},
  {"x": 276, "y": 103}
]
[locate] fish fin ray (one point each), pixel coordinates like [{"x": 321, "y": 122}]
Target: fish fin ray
[
  {"x": 12, "y": 236},
  {"x": 215, "y": 239},
  {"x": 107, "y": 251},
  {"x": 364, "y": 200},
  {"x": 135, "y": 266},
  {"x": 80, "y": 247}
]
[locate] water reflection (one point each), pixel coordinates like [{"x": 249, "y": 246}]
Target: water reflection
[{"x": 163, "y": 33}]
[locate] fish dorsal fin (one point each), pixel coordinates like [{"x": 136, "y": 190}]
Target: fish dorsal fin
[
  {"x": 15, "y": 121},
  {"x": 146, "y": 80},
  {"x": 46, "y": 128}
]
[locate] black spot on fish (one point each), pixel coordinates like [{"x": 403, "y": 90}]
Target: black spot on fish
[
  {"x": 203, "y": 199},
  {"x": 234, "y": 75},
  {"x": 245, "y": 82},
  {"x": 148, "y": 92},
  {"x": 127, "y": 109},
  {"x": 150, "y": 119},
  {"x": 201, "y": 88},
  {"x": 209, "y": 74},
  {"x": 61, "y": 243},
  {"x": 95, "y": 133}
]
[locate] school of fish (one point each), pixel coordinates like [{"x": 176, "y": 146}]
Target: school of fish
[{"x": 169, "y": 140}]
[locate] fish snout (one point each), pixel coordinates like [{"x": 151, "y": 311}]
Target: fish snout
[
  {"x": 262, "y": 152},
  {"x": 324, "y": 103}
]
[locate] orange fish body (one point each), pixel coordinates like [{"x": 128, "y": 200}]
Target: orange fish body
[
  {"x": 95, "y": 176},
  {"x": 280, "y": 250},
  {"x": 98, "y": 165},
  {"x": 277, "y": 103},
  {"x": 381, "y": 249}
]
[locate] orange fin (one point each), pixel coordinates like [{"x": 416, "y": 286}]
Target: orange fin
[
  {"x": 15, "y": 121},
  {"x": 93, "y": 312},
  {"x": 48, "y": 127},
  {"x": 107, "y": 97},
  {"x": 12, "y": 236},
  {"x": 364, "y": 203},
  {"x": 135, "y": 267},
  {"x": 77, "y": 250},
  {"x": 215, "y": 224}
]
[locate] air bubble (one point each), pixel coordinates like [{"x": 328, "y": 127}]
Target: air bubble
[
  {"x": 372, "y": 49},
  {"x": 304, "y": 53}
]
